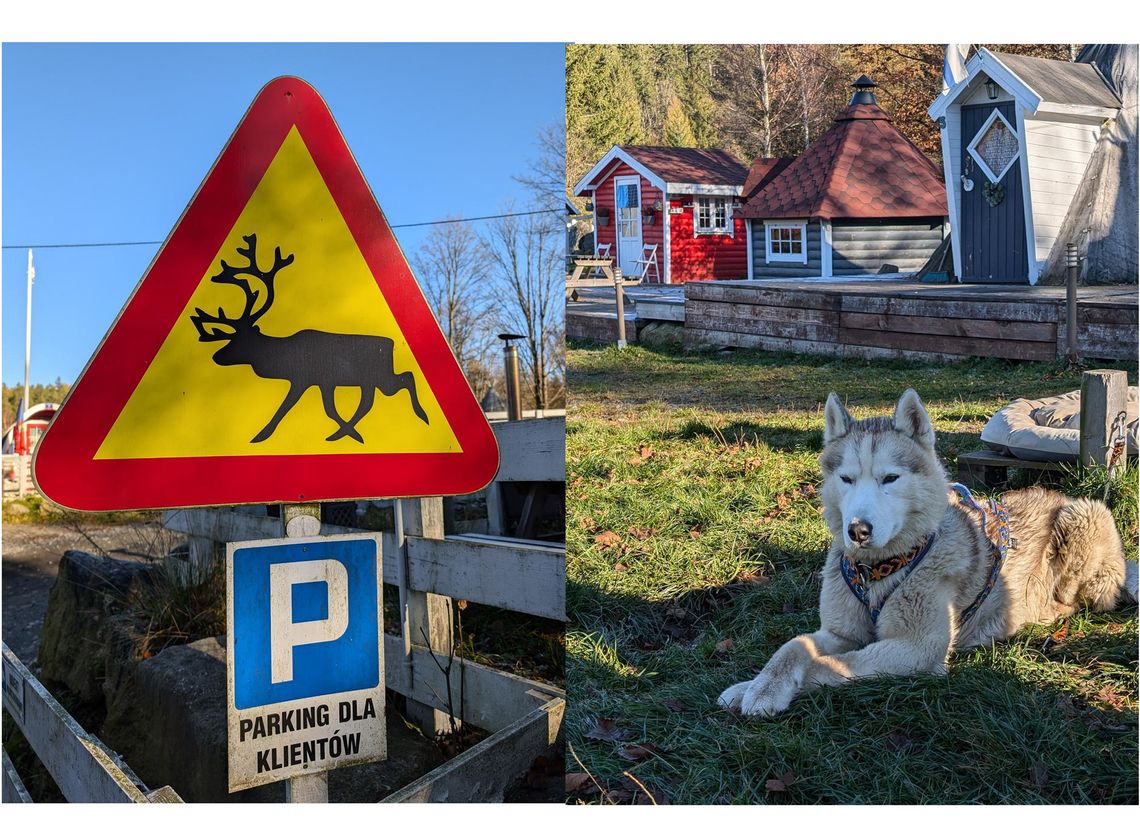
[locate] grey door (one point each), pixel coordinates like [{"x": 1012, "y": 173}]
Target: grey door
[{"x": 992, "y": 241}]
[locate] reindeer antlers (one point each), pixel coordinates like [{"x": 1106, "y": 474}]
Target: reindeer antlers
[{"x": 230, "y": 276}]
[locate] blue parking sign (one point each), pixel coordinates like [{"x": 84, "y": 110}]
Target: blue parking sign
[
  {"x": 305, "y": 619},
  {"x": 306, "y": 659}
]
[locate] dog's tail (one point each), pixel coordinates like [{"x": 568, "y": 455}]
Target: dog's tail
[
  {"x": 1091, "y": 570},
  {"x": 1130, "y": 590}
]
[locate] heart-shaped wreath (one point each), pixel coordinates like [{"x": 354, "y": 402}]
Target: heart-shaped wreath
[{"x": 994, "y": 193}]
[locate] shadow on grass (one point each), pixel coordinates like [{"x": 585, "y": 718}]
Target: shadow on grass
[
  {"x": 1015, "y": 723},
  {"x": 784, "y": 438}
]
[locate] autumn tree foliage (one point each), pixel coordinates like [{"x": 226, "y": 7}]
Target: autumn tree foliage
[{"x": 754, "y": 100}]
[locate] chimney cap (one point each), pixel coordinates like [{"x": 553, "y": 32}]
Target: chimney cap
[{"x": 863, "y": 91}]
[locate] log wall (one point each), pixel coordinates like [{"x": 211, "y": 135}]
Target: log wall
[{"x": 921, "y": 323}]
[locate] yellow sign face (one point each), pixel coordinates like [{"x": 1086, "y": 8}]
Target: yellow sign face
[{"x": 327, "y": 288}]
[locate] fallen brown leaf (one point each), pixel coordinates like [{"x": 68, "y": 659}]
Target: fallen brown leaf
[
  {"x": 899, "y": 742},
  {"x": 579, "y": 781},
  {"x": 606, "y": 729},
  {"x": 1110, "y": 697},
  {"x": 621, "y": 567},
  {"x": 644, "y": 454},
  {"x": 695, "y": 532},
  {"x": 640, "y": 752},
  {"x": 642, "y": 532},
  {"x": 607, "y": 539},
  {"x": 722, "y": 648},
  {"x": 753, "y": 577},
  {"x": 674, "y": 705},
  {"x": 782, "y": 783}
]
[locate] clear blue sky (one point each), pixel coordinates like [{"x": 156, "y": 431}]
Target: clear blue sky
[{"x": 108, "y": 142}]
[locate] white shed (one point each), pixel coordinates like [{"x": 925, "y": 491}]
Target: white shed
[{"x": 1017, "y": 135}]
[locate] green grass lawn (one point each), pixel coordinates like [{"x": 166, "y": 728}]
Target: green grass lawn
[{"x": 694, "y": 541}]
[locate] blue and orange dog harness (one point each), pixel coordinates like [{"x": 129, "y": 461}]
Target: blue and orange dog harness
[{"x": 858, "y": 575}]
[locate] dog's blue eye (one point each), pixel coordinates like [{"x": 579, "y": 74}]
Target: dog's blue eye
[
  {"x": 890, "y": 477},
  {"x": 847, "y": 480}
]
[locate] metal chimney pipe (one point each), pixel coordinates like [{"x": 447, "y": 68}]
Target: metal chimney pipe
[
  {"x": 1072, "y": 269},
  {"x": 511, "y": 367}
]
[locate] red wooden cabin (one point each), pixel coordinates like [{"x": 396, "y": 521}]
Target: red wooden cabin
[{"x": 684, "y": 201}]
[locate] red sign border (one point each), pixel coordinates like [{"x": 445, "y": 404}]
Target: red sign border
[{"x": 64, "y": 467}]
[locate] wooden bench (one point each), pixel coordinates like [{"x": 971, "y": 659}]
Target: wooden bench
[{"x": 990, "y": 469}]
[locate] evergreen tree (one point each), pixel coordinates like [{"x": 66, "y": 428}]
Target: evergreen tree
[{"x": 677, "y": 131}]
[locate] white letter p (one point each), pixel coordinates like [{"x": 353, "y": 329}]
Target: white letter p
[{"x": 285, "y": 634}]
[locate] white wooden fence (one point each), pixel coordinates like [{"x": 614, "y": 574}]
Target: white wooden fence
[
  {"x": 83, "y": 768},
  {"x": 524, "y": 576}
]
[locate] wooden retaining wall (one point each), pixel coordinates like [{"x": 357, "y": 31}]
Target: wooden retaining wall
[
  {"x": 598, "y": 323},
  {"x": 924, "y": 323}
]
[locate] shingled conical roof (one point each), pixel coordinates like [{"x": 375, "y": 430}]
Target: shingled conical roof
[{"x": 862, "y": 167}]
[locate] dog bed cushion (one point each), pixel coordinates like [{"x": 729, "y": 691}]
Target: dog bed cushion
[{"x": 1047, "y": 429}]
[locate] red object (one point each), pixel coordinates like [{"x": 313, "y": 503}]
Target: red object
[
  {"x": 703, "y": 257},
  {"x": 689, "y": 256},
  {"x": 700, "y": 166},
  {"x": 604, "y": 198},
  {"x": 762, "y": 172},
  {"x": 862, "y": 167},
  {"x": 65, "y": 469}
]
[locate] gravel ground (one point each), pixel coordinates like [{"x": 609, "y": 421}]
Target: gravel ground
[{"x": 31, "y": 555}]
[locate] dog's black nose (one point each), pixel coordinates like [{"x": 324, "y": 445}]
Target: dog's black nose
[{"x": 859, "y": 532}]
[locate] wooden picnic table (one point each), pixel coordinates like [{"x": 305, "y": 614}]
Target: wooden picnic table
[{"x": 590, "y": 272}]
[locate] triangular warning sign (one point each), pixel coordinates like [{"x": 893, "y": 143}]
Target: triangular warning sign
[{"x": 278, "y": 349}]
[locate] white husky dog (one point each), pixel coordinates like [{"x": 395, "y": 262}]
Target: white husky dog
[{"x": 917, "y": 569}]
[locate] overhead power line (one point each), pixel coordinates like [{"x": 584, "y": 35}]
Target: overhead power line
[{"x": 159, "y": 242}]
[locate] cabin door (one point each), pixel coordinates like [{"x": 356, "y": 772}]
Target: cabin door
[
  {"x": 627, "y": 207},
  {"x": 992, "y": 218}
]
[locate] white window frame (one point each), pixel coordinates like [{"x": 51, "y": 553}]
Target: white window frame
[
  {"x": 712, "y": 201},
  {"x": 982, "y": 164},
  {"x": 774, "y": 256}
]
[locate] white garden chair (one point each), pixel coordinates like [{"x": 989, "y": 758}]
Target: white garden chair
[{"x": 647, "y": 259}]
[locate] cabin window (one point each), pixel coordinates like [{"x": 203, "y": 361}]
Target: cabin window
[
  {"x": 787, "y": 242},
  {"x": 995, "y": 147},
  {"x": 712, "y": 216}
]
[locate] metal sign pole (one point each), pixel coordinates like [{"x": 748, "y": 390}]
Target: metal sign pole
[{"x": 300, "y": 521}]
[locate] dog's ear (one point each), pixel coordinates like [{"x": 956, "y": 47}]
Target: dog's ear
[
  {"x": 912, "y": 419},
  {"x": 836, "y": 419}
]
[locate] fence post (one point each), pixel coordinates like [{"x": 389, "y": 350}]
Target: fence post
[
  {"x": 1104, "y": 432},
  {"x": 620, "y": 296},
  {"x": 301, "y": 521},
  {"x": 428, "y": 614}
]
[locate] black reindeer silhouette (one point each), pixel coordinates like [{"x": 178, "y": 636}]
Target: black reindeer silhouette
[{"x": 305, "y": 359}]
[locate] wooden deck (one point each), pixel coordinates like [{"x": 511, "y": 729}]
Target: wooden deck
[{"x": 876, "y": 317}]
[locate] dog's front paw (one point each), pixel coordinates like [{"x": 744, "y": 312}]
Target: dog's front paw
[
  {"x": 730, "y": 698},
  {"x": 767, "y": 696}
]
